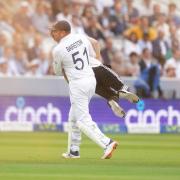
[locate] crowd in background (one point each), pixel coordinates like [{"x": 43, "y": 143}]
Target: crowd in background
[{"x": 136, "y": 38}]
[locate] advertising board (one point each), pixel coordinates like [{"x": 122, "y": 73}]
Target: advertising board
[{"x": 43, "y": 113}]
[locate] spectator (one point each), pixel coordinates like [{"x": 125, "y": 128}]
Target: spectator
[
  {"x": 142, "y": 28},
  {"x": 33, "y": 68},
  {"x": 132, "y": 65},
  {"x": 170, "y": 69},
  {"x": 3, "y": 43},
  {"x": 49, "y": 12},
  {"x": 65, "y": 14},
  {"x": 7, "y": 30},
  {"x": 147, "y": 84},
  {"x": 156, "y": 12},
  {"x": 6, "y": 20},
  {"x": 132, "y": 13},
  {"x": 77, "y": 9},
  {"x": 131, "y": 45},
  {"x": 161, "y": 25},
  {"x": 172, "y": 14},
  {"x": 32, "y": 6},
  {"x": 86, "y": 15},
  {"x": 175, "y": 60},
  {"x": 57, "y": 6},
  {"x": 8, "y": 58},
  {"x": 43, "y": 63},
  {"x": 40, "y": 19},
  {"x": 101, "y": 4},
  {"x": 18, "y": 40},
  {"x": 22, "y": 16},
  {"x": 160, "y": 48},
  {"x": 33, "y": 51},
  {"x": 174, "y": 40},
  {"x": 118, "y": 64},
  {"x": 3, "y": 68},
  {"x": 29, "y": 36},
  {"x": 145, "y": 43},
  {"x": 117, "y": 21},
  {"x": 108, "y": 51},
  {"x": 21, "y": 61},
  {"x": 105, "y": 20},
  {"x": 145, "y": 8},
  {"x": 94, "y": 29}
]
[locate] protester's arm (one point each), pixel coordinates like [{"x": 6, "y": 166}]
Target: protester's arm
[{"x": 96, "y": 46}]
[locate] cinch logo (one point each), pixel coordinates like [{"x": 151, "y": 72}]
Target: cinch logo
[
  {"x": 22, "y": 113},
  {"x": 148, "y": 116}
]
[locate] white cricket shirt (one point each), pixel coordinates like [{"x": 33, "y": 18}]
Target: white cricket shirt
[{"x": 72, "y": 54}]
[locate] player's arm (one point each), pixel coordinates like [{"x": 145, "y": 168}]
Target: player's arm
[
  {"x": 65, "y": 77},
  {"x": 58, "y": 70},
  {"x": 96, "y": 46},
  {"x": 57, "y": 67}
]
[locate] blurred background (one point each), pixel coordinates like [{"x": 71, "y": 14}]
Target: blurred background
[{"x": 140, "y": 39}]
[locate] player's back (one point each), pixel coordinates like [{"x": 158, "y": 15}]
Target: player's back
[{"x": 73, "y": 51}]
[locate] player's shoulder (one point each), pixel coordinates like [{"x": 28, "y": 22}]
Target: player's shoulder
[{"x": 55, "y": 49}]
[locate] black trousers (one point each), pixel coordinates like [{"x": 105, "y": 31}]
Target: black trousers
[{"x": 108, "y": 82}]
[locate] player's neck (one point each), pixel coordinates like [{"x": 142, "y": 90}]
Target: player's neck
[{"x": 64, "y": 36}]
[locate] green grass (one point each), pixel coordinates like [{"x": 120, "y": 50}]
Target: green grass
[{"x": 31, "y": 156}]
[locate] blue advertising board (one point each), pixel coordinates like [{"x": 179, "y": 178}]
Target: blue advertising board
[{"x": 31, "y": 113}]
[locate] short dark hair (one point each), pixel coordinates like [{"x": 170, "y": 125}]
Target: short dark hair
[
  {"x": 172, "y": 5},
  {"x": 62, "y": 26},
  {"x": 133, "y": 54},
  {"x": 144, "y": 50}
]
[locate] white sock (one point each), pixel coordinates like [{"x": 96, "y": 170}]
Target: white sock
[{"x": 74, "y": 137}]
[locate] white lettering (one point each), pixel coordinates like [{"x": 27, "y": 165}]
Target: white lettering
[
  {"x": 131, "y": 113},
  {"x": 161, "y": 113},
  {"x": 49, "y": 114},
  {"x": 142, "y": 117},
  {"x": 28, "y": 114},
  {"x": 146, "y": 114},
  {"x": 10, "y": 111},
  {"x": 41, "y": 111},
  {"x": 173, "y": 114},
  {"x": 53, "y": 112}
]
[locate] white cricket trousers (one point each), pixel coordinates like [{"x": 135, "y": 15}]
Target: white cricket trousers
[{"x": 81, "y": 91}]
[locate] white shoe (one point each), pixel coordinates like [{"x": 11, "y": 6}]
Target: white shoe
[
  {"x": 118, "y": 111},
  {"x": 124, "y": 93},
  {"x": 109, "y": 150},
  {"x": 70, "y": 156}
]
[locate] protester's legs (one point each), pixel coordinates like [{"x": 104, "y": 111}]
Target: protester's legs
[
  {"x": 106, "y": 93},
  {"x": 108, "y": 78}
]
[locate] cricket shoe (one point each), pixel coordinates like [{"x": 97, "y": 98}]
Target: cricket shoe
[
  {"x": 118, "y": 110},
  {"x": 124, "y": 93},
  {"x": 109, "y": 150},
  {"x": 71, "y": 155}
]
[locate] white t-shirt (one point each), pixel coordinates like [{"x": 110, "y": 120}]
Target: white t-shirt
[
  {"x": 130, "y": 47},
  {"x": 72, "y": 54}
]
